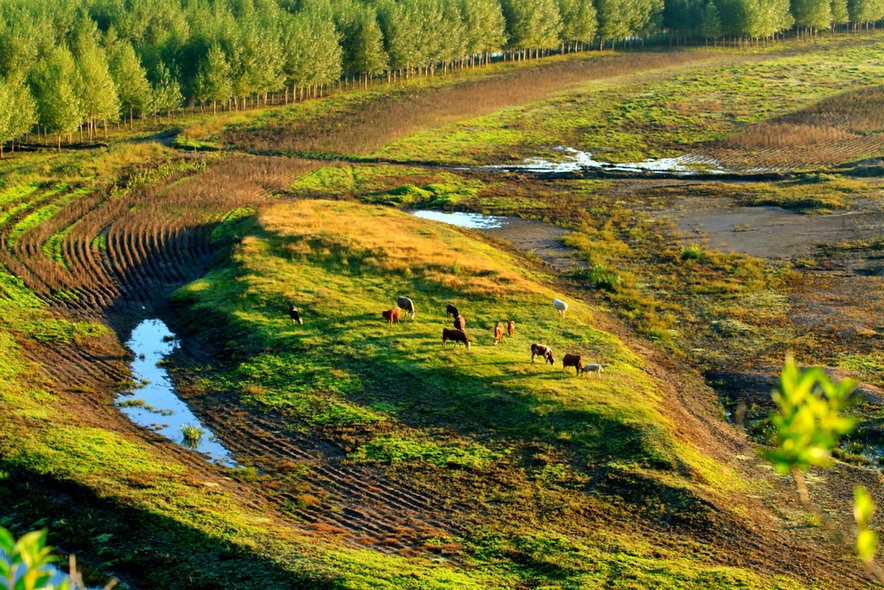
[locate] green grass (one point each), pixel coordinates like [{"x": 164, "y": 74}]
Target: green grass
[
  {"x": 392, "y": 396},
  {"x": 665, "y": 113}
]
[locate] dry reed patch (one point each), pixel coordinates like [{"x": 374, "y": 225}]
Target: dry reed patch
[
  {"x": 368, "y": 123},
  {"x": 836, "y": 130}
]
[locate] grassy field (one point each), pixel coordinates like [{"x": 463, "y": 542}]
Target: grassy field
[{"x": 370, "y": 456}]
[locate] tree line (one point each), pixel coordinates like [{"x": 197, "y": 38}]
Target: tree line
[{"x": 68, "y": 65}]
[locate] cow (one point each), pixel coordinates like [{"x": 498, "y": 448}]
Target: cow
[
  {"x": 406, "y": 304},
  {"x": 391, "y": 315},
  {"x": 572, "y": 360},
  {"x": 542, "y": 351},
  {"x": 451, "y": 311},
  {"x": 498, "y": 333},
  {"x": 560, "y": 306},
  {"x": 460, "y": 323},
  {"x": 511, "y": 327},
  {"x": 296, "y": 317},
  {"x": 455, "y": 336},
  {"x": 587, "y": 369}
]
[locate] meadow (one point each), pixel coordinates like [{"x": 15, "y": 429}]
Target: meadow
[{"x": 370, "y": 455}]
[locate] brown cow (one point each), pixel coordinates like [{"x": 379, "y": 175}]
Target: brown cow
[
  {"x": 542, "y": 351},
  {"x": 390, "y": 315},
  {"x": 511, "y": 328},
  {"x": 455, "y": 336},
  {"x": 460, "y": 323},
  {"x": 572, "y": 360},
  {"x": 498, "y": 333}
]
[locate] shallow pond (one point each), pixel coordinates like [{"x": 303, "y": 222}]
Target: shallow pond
[
  {"x": 576, "y": 160},
  {"x": 153, "y": 403}
]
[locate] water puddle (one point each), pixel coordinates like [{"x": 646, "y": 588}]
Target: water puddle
[
  {"x": 470, "y": 220},
  {"x": 576, "y": 160},
  {"x": 153, "y": 403},
  {"x": 528, "y": 235}
]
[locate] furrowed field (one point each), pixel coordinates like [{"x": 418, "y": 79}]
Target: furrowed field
[{"x": 363, "y": 455}]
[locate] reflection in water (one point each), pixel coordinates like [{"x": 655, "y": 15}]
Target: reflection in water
[
  {"x": 153, "y": 403},
  {"x": 470, "y": 220}
]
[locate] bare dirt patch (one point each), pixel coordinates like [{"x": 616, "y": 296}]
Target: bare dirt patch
[{"x": 772, "y": 233}]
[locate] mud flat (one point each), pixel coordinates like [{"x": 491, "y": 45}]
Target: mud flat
[{"x": 772, "y": 233}]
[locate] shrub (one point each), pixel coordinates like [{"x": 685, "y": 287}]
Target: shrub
[{"x": 692, "y": 252}]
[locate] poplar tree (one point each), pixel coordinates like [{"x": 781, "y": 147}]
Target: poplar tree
[
  {"x": 362, "y": 41},
  {"x": 579, "y": 22},
  {"x": 165, "y": 93},
  {"x": 130, "y": 78},
  {"x": 614, "y": 20},
  {"x": 840, "y": 15},
  {"x": 54, "y": 82},
  {"x": 532, "y": 25},
  {"x": 213, "y": 78},
  {"x": 311, "y": 52},
  {"x": 23, "y": 114},
  {"x": 812, "y": 14},
  {"x": 485, "y": 27},
  {"x": 96, "y": 88},
  {"x": 863, "y": 12}
]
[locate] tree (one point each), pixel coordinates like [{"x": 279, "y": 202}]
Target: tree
[
  {"x": 579, "y": 22},
  {"x": 213, "y": 78},
  {"x": 23, "y": 111},
  {"x": 812, "y": 14},
  {"x": 840, "y": 15},
  {"x": 863, "y": 12},
  {"x": 485, "y": 27},
  {"x": 614, "y": 20},
  {"x": 54, "y": 80},
  {"x": 165, "y": 92},
  {"x": 96, "y": 88},
  {"x": 532, "y": 25},
  {"x": 312, "y": 54},
  {"x": 130, "y": 78},
  {"x": 362, "y": 41}
]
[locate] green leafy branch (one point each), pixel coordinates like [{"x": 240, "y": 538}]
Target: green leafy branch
[
  {"x": 25, "y": 562},
  {"x": 807, "y": 427}
]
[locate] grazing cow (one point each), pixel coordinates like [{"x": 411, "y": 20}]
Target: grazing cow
[
  {"x": 460, "y": 323},
  {"x": 451, "y": 311},
  {"x": 406, "y": 304},
  {"x": 498, "y": 333},
  {"x": 542, "y": 351},
  {"x": 296, "y": 317},
  {"x": 587, "y": 369},
  {"x": 391, "y": 315},
  {"x": 455, "y": 336},
  {"x": 511, "y": 328},
  {"x": 572, "y": 360},
  {"x": 560, "y": 306}
]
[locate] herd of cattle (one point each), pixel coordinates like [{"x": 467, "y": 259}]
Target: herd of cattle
[{"x": 459, "y": 335}]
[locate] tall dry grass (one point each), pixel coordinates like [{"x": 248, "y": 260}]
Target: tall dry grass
[
  {"x": 367, "y": 126},
  {"x": 837, "y": 130}
]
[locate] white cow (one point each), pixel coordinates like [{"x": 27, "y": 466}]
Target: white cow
[
  {"x": 406, "y": 304},
  {"x": 560, "y": 306}
]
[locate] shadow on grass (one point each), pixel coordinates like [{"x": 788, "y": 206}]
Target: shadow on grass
[{"x": 144, "y": 549}]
